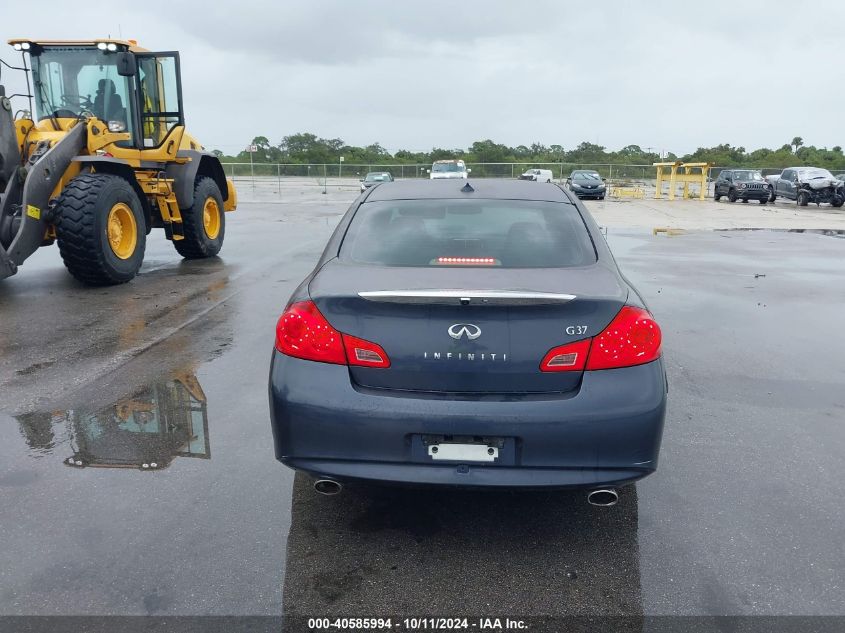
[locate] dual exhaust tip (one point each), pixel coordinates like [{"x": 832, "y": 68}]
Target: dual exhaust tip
[
  {"x": 328, "y": 487},
  {"x": 603, "y": 498}
]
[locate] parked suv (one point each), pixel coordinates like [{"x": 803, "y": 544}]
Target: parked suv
[
  {"x": 809, "y": 184},
  {"x": 538, "y": 175},
  {"x": 741, "y": 184}
]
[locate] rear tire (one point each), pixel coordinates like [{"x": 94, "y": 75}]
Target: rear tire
[
  {"x": 772, "y": 195},
  {"x": 716, "y": 195},
  {"x": 745, "y": 200},
  {"x": 204, "y": 223},
  {"x": 838, "y": 201},
  {"x": 101, "y": 229},
  {"x": 763, "y": 200},
  {"x": 731, "y": 195}
]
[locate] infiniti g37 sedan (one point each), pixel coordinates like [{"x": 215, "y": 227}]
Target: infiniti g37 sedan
[{"x": 469, "y": 334}]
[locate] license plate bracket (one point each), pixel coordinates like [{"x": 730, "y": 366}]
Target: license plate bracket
[
  {"x": 455, "y": 452},
  {"x": 464, "y": 449}
]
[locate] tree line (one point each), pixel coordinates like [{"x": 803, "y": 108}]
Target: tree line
[{"x": 306, "y": 148}]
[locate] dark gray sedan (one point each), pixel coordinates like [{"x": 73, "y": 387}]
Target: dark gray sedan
[
  {"x": 468, "y": 334},
  {"x": 585, "y": 183},
  {"x": 375, "y": 178}
]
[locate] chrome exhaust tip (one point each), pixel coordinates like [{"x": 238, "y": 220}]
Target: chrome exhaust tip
[
  {"x": 328, "y": 486},
  {"x": 603, "y": 498}
]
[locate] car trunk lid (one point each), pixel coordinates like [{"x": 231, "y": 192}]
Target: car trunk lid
[{"x": 468, "y": 330}]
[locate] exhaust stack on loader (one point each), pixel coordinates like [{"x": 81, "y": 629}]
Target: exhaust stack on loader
[{"x": 102, "y": 159}]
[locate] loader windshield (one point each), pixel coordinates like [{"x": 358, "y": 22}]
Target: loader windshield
[{"x": 72, "y": 80}]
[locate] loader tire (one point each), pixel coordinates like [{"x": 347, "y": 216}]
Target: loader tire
[
  {"x": 101, "y": 229},
  {"x": 204, "y": 223}
]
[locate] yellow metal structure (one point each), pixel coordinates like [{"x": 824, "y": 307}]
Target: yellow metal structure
[
  {"x": 627, "y": 192},
  {"x": 681, "y": 173}
]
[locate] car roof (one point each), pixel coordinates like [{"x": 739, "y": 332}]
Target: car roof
[{"x": 491, "y": 188}]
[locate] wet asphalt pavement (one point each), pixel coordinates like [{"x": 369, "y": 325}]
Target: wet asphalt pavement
[{"x": 174, "y": 505}]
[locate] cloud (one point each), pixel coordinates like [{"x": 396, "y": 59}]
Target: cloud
[{"x": 662, "y": 74}]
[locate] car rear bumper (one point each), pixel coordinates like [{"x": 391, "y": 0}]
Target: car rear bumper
[{"x": 607, "y": 433}]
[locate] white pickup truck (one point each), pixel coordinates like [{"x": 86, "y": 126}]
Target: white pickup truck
[{"x": 449, "y": 169}]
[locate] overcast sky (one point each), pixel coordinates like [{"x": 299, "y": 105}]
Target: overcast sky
[{"x": 415, "y": 75}]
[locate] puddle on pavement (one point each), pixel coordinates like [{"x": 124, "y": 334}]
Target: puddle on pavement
[{"x": 145, "y": 430}]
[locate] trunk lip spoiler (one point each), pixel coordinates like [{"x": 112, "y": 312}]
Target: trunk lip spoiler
[{"x": 465, "y": 296}]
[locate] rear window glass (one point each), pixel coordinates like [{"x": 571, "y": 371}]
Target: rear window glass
[{"x": 503, "y": 233}]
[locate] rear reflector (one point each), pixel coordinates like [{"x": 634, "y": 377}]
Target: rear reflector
[
  {"x": 303, "y": 332},
  {"x": 632, "y": 338},
  {"x": 569, "y": 357}
]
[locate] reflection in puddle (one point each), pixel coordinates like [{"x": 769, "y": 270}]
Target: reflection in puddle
[{"x": 145, "y": 430}]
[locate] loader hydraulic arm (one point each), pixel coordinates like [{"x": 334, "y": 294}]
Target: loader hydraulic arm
[{"x": 32, "y": 195}]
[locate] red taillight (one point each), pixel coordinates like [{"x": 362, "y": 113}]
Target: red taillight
[
  {"x": 632, "y": 338},
  {"x": 364, "y": 353},
  {"x": 303, "y": 332},
  {"x": 569, "y": 357}
]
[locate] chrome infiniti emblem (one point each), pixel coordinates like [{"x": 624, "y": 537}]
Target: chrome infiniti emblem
[{"x": 459, "y": 330}]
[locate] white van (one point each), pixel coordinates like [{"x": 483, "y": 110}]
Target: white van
[
  {"x": 449, "y": 169},
  {"x": 538, "y": 175}
]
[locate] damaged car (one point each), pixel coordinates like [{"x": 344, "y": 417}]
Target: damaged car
[{"x": 809, "y": 184}]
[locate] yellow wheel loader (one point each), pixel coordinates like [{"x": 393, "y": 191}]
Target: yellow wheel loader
[{"x": 103, "y": 158}]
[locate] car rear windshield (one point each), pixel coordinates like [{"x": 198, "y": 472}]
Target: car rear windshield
[{"x": 503, "y": 233}]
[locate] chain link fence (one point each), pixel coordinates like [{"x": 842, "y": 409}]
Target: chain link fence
[
  {"x": 275, "y": 176},
  {"x": 241, "y": 171}
]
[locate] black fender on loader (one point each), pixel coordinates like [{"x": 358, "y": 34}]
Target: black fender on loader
[
  {"x": 186, "y": 176},
  {"x": 41, "y": 179}
]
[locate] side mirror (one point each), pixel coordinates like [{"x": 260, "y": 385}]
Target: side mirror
[
  {"x": 428, "y": 171},
  {"x": 469, "y": 171},
  {"x": 126, "y": 64}
]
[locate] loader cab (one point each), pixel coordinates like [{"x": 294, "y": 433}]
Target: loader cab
[
  {"x": 135, "y": 92},
  {"x": 74, "y": 81}
]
